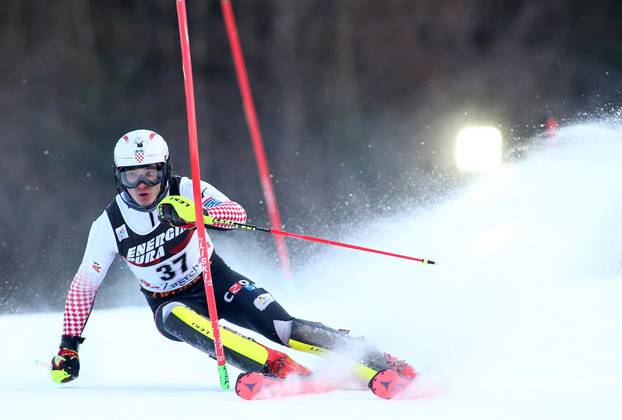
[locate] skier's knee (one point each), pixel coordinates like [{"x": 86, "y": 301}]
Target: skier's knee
[
  {"x": 283, "y": 330},
  {"x": 162, "y": 313}
]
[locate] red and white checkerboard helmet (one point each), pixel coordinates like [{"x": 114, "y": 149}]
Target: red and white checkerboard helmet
[{"x": 141, "y": 148}]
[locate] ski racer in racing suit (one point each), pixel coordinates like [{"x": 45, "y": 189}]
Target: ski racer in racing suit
[{"x": 163, "y": 254}]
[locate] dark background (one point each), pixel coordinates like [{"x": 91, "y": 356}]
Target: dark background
[{"x": 358, "y": 100}]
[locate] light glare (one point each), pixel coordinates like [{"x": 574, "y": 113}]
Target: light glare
[{"x": 478, "y": 148}]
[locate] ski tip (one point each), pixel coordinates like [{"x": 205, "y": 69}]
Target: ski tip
[
  {"x": 388, "y": 383},
  {"x": 248, "y": 385}
]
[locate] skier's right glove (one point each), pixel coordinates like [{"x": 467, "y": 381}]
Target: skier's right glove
[{"x": 65, "y": 365}]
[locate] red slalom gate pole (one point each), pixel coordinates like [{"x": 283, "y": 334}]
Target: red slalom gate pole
[
  {"x": 551, "y": 130},
  {"x": 196, "y": 179},
  {"x": 255, "y": 132}
]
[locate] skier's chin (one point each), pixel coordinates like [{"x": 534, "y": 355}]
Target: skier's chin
[
  {"x": 146, "y": 197},
  {"x": 145, "y": 202}
]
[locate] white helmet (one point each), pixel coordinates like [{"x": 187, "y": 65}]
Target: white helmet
[{"x": 141, "y": 148}]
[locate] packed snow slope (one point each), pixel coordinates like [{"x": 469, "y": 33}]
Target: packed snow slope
[{"x": 521, "y": 318}]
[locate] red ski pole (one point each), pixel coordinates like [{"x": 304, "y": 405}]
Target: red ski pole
[
  {"x": 187, "y": 211},
  {"x": 196, "y": 186},
  {"x": 320, "y": 240},
  {"x": 344, "y": 245}
]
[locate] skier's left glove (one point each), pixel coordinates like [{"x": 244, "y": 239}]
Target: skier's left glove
[
  {"x": 65, "y": 365},
  {"x": 167, "y": 213}
]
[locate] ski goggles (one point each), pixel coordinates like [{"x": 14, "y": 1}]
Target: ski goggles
[{"x": 131, "y": 178}]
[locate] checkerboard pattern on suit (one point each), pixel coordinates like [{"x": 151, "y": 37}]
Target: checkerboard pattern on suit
[
  {"x": 230, "y": 211},
  {"x": 78, "y": 305}
]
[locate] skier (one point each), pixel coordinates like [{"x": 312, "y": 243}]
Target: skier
[{"x": 162, "y": 251}]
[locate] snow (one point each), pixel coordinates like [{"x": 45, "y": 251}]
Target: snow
[{"x": 521, "y": 319}]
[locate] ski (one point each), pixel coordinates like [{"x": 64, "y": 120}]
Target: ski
[
  {"x": 256, "y": 386},
  {"x": 388, "y": 384}
]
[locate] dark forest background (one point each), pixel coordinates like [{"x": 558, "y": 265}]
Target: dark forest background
[{"x": 358, "y": 101}]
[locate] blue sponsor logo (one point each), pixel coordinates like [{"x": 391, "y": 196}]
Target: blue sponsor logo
[{"x": 210, "y": 202}]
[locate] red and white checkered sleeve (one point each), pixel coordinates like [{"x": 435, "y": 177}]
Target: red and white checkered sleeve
[
  {"x": 228, "y": 210},
  {"x": 215, "y": 203},
  {"x": 100, "y": 251},
  {"x": 78, "y": 305}
]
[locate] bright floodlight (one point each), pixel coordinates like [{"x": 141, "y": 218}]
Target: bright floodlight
[{"x": 478, "y": 148}]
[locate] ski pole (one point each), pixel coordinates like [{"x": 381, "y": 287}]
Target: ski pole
[
  {"x": 196, "y": 187},
  {"x": 186, "y": 210}
]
